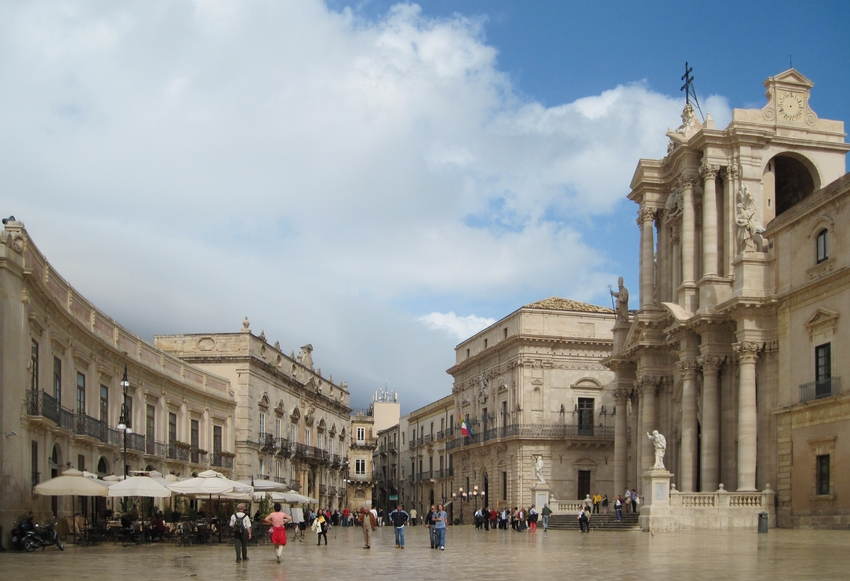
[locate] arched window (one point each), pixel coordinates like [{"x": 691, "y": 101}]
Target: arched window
[{"x": 823, "y": 245}]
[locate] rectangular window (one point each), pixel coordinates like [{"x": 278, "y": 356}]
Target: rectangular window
[
  {"x": 57, "y": 380},
  {"x": 360, "y": 467},
  {"x": 277, "y": 469},
  {"x": 307, "y": 439},
  {"x": 262, "y": 422},
  {"x": 262, "y": 467},
  {"x": 823, "y": 246},
  {"x": 104, "y": 404},
  {"x": 485, "y": 343},
  {"x": 34, "y": 365},
  {"x": 34, "y": 463},
  {"x": 822, "y": 466},
  {"x": 217, "y": 440},
  {"x": 823, "y": 370},
  {"x": 361, "y": 436},
  {"x": 293, "y": 433},
  {"x": 504, "y": 482},
  {"x": 81, "y": 393},
  {"x": 172, "y": 428},
  {"x": 585, "y": 416},
  {"x": 194, "y": 434},
  {"x": 277, "y": 429},
  {"x": 505, "y": 333},
  {"x": 81, "y": 462},
  {"x": 150, "y": 417}
]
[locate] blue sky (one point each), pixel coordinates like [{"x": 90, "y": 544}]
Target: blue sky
[{"x": 378, "y": 179}]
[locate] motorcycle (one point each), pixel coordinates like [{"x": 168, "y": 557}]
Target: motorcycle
[
  {"x": 48, "y": 535},
  {"x": 29, "y": 536}
]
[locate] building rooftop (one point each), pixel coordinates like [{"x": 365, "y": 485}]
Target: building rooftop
[{"x": 559, "y": 304}]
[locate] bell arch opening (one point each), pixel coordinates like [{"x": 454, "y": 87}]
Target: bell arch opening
[{"x": 788, "y": 180}]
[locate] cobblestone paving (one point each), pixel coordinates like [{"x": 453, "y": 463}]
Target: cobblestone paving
[{"x": 469, "y": 555}]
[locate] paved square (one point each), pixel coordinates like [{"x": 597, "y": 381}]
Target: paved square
[{"x": 469, "y": 554}]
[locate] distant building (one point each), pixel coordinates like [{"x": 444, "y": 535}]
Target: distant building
[
  {"x": 291, "y": 422},
  {"x": 383, "y": 412},
  {"x": 539, "y": 405}
]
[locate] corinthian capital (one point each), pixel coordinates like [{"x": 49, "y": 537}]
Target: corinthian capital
[
  {"x": 708, "y": 171},
  {"x": 688, "y": 181},
  {"x": 746, "y": 351},
  {"x": 621, "y": 394},
  {"x": 709, "y": 363},
  {"x": 646, "y": 383},
  {"x": 687, "y": 368},
  {"x": 646, "y": 215}
]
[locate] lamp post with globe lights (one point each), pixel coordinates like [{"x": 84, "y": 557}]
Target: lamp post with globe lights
[
  {"x": 463, "y": 496},
  {"x": 124, "y": 420}
]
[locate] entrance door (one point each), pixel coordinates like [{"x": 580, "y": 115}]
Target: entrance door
[
  {"x": 583, "y": 483},
  {"x": 585, "y": 416}
]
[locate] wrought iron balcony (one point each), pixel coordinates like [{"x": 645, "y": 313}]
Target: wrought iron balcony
[
  {"x": 820, "y": 389},
  {"x": 545, "y": 431}
]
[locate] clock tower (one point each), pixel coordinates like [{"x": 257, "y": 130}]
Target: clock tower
[{"x": 788, "y": 100}]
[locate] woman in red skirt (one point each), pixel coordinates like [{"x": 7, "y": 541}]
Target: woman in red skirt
[{"x": 278, "y": 520}]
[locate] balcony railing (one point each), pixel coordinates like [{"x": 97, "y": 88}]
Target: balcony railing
[
  {"x": 440, "y": 435},
  {"x": 267, "y": 441},
  {"x": 547, "y": 431},
  {"x": 411, "y": 445},
  {"x": 819, "y": 389},
  {"x": 410, "y": 479},
  {"x": 282, "y": 446}
]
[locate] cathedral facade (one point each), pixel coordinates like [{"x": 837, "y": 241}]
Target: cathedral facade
[{"x": 742, "y": 300}]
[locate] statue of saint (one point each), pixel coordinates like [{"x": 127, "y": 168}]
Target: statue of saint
[
  {"x": 749, "y": 234},
  {"x": 660, "y": 443},
  {"x": 622, "y": 297},
  {"x": 538, "y": 470}
]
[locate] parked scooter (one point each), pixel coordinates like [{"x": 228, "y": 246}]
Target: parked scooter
[
  {"x": 48, "y": 535},
  {"x": 23, "y": 534},
  {"x": 29, "y": 536}
]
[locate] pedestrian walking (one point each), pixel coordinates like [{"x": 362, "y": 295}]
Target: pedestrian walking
[
  {"x": 278, "y": 520},
  {"x": 546, "y": 511},
  {"x": 320, "y": 526},
  {"x": 532, "y": 519},
  {"x": 440, "y": 518},
  {"x": 584, "y": 520},
  {"x": 429, "y": 524},
  {"x": 618, "y": 507},
  {"x": 368, "y": 524},
  {"x": 399, "y": 519},
  {"x": 413, "y": 517},
  {"x": 605, "y": 503},
  {"x": 240, "y": 524}
]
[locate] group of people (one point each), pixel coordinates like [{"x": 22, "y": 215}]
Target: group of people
[{"x": 518, "y": 519}]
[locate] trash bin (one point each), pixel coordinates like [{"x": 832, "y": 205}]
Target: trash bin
[{"x": 763, "y": 522}]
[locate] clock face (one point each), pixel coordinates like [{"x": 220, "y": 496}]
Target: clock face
[{"x": 791, "y": 106}]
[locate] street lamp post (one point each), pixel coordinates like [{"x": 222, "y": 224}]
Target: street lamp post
[
  {"x": 125, "y": 417},
  {"x": 462, "y": 495}
]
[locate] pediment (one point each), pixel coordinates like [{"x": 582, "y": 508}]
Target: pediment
[
  {"x": 791, "y": 77},
  {"x": 821, "y": 320}
]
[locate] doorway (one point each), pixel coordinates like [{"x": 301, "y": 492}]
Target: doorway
[{"x": 583, "y": 484}]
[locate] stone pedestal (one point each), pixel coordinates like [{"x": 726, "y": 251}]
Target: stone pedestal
[
  {"x": 540, "y": 494},
  {"x": 656, "y": 513},
  {"x": 621, "y": 330}
]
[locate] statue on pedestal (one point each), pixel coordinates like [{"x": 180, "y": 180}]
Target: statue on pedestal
[
  {"x": 622, "y": 297},
  {"x": 538, "y": 470},
  {"x": 660, "y": 443}
]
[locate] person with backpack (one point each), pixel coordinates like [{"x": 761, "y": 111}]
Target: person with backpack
[{"x": 240, "y": 524}]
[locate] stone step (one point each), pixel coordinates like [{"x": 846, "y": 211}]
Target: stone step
[{"x": 600, "y": 522}]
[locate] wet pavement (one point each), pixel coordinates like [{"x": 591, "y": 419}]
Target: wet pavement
[{"x": 469, "y": 554}]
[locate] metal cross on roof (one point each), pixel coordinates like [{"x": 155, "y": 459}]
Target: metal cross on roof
[{"x": 688, "y": 87}]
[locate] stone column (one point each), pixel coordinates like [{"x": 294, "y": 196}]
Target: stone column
[
  {"x": 709, "y": 220},
  {"x": 747, "y": 353},
  {"x": 646, "y": 218},
  {"x": 729, "y": 243},
  {"x": 676, "y": 262},
  {"x": 646, "y": 385},
  {"x": 689, "y": 450},
  {"x": 688, "y": 229},
  {"x": 621, "y": 440},
  {"x": 710, "y": 442}
]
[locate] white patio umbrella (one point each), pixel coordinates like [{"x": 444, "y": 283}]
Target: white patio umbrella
[
  {"x": 263, "y": 485},
  {"x": 146, "y": 486},
  {"x": 72, "y": 483},
  {"x": 210, "y": 483}
]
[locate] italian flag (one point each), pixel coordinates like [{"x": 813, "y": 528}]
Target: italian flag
[{"x": 465, "y": 429}]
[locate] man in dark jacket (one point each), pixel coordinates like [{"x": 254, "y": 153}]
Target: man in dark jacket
[{"x": 399, "y": 519}]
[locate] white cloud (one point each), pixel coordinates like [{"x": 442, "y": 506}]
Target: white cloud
[
  {"x": 459, "y": 327},
  {"x": 187, "y": 163}
]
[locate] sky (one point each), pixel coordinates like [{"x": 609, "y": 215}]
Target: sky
[{"x": 379, "y": 179}]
